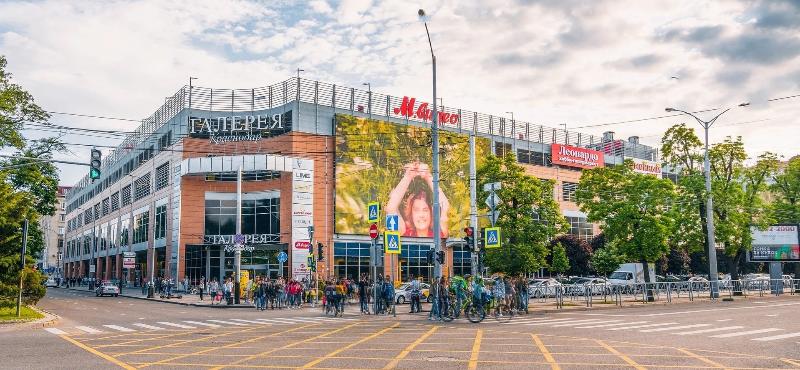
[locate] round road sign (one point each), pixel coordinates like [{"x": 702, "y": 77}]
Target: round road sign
[{"x": 373, "y": 231}]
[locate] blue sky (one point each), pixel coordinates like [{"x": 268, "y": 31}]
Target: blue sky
[{"x": 550, "y": 62}]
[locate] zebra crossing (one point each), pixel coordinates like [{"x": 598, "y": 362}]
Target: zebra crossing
[
  {"x": 717, "y": 330},
  {"x": 188, "y": 325}
]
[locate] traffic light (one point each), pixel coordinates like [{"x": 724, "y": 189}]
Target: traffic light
[
  {"x": 94, "y": 164},
  {"x": 469, "y": 236},
  {"x": 429, "y": 256},
  {"x": 320, "y": 252},
  {"x": 311, "y": 263},
  {"x": 440, "y": 257}
]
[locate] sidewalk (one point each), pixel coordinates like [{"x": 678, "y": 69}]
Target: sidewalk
[{"x": 186, "y": 300}]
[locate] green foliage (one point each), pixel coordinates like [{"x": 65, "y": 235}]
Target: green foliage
[
  {"x": 579, "y": 254},
  {"x": 606, "y": 260},
  {"x": 370, "y": 155},
  {"x": 787, "y": 191},
  {"x": 560, "y": 261},
  {"x": 27, "y": 190},
  {"x": 26, "y": 313},
  {"x": 529, "y": 216},
  {"x": 631, "y": 209}
]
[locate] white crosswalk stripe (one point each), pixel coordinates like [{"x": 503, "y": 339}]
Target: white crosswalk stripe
[
  {"x": 742, "y": 333},
  {"x": 609, "y": 325},
  {"x": 248, "y": 321},
  {"x": 120, "y": 328},
  {"x": 674, "y": 328},
  {"x": 176, "y": 325},
  {"x": 228, "y": 322},
  {"x": 55, "y": 331},
  {"x": 580, "y": 322},
  {"x": 276, "y": 321},
  {"x": 643, "y": 326},
  {"x": 151, "y": 327},
  {"x": 548, "y": 322},
  {"x": 776, "y": 337},
  {"x": 201, "y": 323},
  {"x": 702, "y": 331},
  {"x": 88, "y": 329}
]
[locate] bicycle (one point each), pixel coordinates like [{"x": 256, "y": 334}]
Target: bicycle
[{"x": 500, "y": 311}]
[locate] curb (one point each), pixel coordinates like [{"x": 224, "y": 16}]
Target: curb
[
  {"x": 49, "y": 319},
  {"x": 167, "y": 301}
]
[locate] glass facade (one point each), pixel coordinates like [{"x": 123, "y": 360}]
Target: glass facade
[
  {"x": 160, "y": 228},
  {"x": 259, "y": 216},
  {"x": 579, "y": 227},
  {"x": 413, "y": 262},
  {"x": 141, "y": 227},
  {"x": 462, "y": 260},
  {"x": 351, "y": 259}
]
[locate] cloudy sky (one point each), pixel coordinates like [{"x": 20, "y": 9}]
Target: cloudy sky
[{"x": 581, "y": 63}]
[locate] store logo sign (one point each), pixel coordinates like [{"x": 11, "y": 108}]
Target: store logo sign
[
  {"x": 422, "y": 112},
  {"x": 646, "y": 167},
  {"x": 573, "y": 156},
  {"x": 239, "y": 128}
]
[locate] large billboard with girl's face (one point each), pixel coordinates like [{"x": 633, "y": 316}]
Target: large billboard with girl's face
[{"x": 389, "y": 163}]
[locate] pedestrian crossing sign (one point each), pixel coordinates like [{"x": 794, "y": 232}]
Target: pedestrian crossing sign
[
  {"x": 373, "y": 211},
  {"x": 492, "y": 237},
  {"x": 391, "y": 242}
]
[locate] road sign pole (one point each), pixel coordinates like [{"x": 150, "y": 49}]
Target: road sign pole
[{"x": 473, "y": 204}]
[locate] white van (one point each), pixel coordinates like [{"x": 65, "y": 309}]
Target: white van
[{"x": 628, "y": 274}]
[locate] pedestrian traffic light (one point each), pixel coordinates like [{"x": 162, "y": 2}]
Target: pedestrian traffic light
[
  {"x": 429, "y": 256},
  {"x": 469, "y": 236},
  {"x": 440, "y": 257},
  {"x": 320, "y": 252},
  {"x": 94, "y": 164}
]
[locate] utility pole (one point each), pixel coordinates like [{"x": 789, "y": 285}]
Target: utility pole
[
  {"x": 22, "y": 264},
  {"x": 473, "y": 204},
  {"x": 237, "y": 254}
]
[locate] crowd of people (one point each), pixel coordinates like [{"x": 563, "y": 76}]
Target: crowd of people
[{"x": 261, "y": 292}]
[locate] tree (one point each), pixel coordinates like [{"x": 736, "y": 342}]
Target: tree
[
  {"x": 606, "y": 260},
  {"x": 787, "y": 190},
  {"x": 598, "y": 242},
  {"x": 560, "y": 262},
  {"x": 631, "y": 209},
  {"x": 27, "y": 189},
  {"x": 579, "y": 253},
  {"x": 529, "y": 216}
]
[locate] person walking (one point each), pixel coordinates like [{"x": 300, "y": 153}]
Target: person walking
[
  {"x": 499, "y": 293},
  {"x": 444, "y": 296},
  {"x": 363, "y": 286},
  {"x": 228, "y": 291},
  {"x": 388, "y": 295},
  {"x": 416, "y": 293},
  {"x": 433, "y": 293},
  {"x": 341, "y": 295},
  {"x": 213, "y": 289},
  {"x": 201, "y": 287}
]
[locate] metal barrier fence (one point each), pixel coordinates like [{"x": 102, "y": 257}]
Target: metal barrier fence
[{"x": 618, "y": 294}]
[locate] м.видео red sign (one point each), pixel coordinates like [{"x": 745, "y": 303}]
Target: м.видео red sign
[
  {"x": 574, "y": 156},
  {"x": 422, "y": 112}
]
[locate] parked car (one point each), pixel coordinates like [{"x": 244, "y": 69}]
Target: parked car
[
  {"x": 402, "y": 294},
  {"x": 582, "y": 286},
  {"x": 51, "y": 283},
  {"x": 539, "y": 288},
  {"x": 106, "y": 288}
]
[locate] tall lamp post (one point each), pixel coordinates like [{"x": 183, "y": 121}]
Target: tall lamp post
[
  {"x": 712, "y": 252},
  {"x": 437, "y": 235}
]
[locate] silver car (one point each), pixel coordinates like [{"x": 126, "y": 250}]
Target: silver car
[
  {"x": 539, "y": 288},
  {"x": 106, "y": 288},
  {"x": 402, "y": 294}
]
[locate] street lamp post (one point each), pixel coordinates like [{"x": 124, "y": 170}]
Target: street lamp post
[
  {"x": 713, "y": 276},
  {"x": 437, "y": 235},
  {"x": 369, "y": 98}
]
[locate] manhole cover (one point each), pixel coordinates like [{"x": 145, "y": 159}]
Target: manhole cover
[{"x": 441, "y": 359}]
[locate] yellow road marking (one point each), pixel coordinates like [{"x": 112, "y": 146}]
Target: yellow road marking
[
  {"x": 546, "y": 353},
  {"x": 98, "y": 353},
  {"x": 226, "y": 346},
  {"x": 791, "y": 362},
  {"x": 476, "y": 349},
  {"x": 701, "y": 358},
  {"x": 351, "y": 345},
  {"x": 620, "y": 355},
  {"x": 178, "y": 343},
  {"x": 285, "y": 347},
  {"x": 407, "y": 350}
]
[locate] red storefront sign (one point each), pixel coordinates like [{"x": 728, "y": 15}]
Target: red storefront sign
[
  {"x": 422, "y": 112},
  {"x": 574, "y": 156},
  {"x": 302, "y": 245}
]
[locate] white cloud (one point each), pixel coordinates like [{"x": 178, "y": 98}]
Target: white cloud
[{"x": 554, "y": 62}]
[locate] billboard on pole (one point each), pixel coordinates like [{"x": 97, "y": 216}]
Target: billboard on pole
[{"x": 778, "y": 243}]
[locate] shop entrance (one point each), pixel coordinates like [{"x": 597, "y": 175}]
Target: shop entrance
[{"x": 213, "y": 262}]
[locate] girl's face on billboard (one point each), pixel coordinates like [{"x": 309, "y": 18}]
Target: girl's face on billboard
[{"x": 421, "y": 214}]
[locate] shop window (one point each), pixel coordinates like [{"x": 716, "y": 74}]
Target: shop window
[
  {"x": 414, "y": 262},
  {"x": 462, "y": 259},
  {"x": 351, "y": 259}
]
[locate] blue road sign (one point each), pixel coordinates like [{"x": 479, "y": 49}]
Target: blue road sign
[
  {"x": 391, "y": 242},
  {"x": 492, "y": 237},
  {"x": 373, "y": 212},
  {"x": 392, "y": 223},
  {"x": 282, "y": 257}
]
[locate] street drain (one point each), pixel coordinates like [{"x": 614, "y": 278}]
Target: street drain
[{"x": 441, "y": 359}]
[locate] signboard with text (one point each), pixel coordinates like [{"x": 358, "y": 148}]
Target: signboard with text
[
  {"x": 646, "y": 167},
  {"x": 778, "y": 243},
  {"x": 573, "y": 156},
  {"x": 233, "y": 128}
]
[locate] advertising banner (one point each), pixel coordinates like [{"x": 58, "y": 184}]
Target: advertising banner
[
  {"x": 574, "y": 156},
  {"x": 646, "y": 167},
  {"x": 302, "y": 214},
  {"x": 391, "y": 163},
  {"x": 778, "y": 243}
]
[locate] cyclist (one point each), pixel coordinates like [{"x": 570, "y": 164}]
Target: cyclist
[
  {"x": 499, "y": 293},
  {"x": 458, "y": 286}
]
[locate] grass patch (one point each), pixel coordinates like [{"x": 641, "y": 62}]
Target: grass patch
[{"x": 26, "y": 313}]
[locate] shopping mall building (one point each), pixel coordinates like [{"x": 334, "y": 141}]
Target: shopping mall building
[{"x": 310, "y": 154}]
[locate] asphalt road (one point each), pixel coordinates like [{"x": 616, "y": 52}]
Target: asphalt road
[{"x": 107, "y": 333}]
